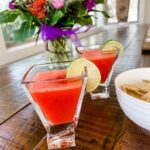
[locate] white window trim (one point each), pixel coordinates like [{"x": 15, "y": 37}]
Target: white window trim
[{"x": 14, "y": 53}]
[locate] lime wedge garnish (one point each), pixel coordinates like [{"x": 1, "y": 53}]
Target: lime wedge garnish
[
  {"x": 113, "y": 46},
  {"x": 77, "y": 67}
]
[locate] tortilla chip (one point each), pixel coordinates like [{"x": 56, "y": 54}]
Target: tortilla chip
[
  {"x": 146, "y": 97},
  {"x": 141, "y": 90}
]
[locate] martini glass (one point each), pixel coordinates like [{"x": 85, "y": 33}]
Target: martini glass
[
  {"x": 105, "y": 62},
  {"x": 57, "y": 100}
]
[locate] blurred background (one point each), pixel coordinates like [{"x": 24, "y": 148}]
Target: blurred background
[{"x": 11, "y": 49}]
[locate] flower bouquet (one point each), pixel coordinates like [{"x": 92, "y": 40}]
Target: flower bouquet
[{"x": 54, "y": 20}]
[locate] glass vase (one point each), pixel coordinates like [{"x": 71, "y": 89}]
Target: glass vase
[
  {"x": 57, "y": 100},
  {"x": 59, "y": 50}
]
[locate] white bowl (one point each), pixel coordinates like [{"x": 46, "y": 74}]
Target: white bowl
[{"x": 135, "y": 109}]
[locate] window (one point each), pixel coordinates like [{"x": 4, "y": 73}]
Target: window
[
  {"x": 10, "y": 50},
  {"x": 100, "y": 19},
  {"x": 133, "y": 11},
  {"x": 111, "y": 5},
  {"x": 9, "y": 28}
]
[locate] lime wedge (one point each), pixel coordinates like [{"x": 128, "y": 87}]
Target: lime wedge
[
  {"x": 113, "y": 46},
  {"x": 77, "y": 67}
]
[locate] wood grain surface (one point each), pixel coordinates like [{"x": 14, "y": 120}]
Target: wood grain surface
[
  {"x": 12, "y": 96},
  {"x": 102, "y": 124}
]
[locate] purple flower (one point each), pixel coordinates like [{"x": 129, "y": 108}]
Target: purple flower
[
  {"x": 89, "y": 4},
  {"x": 58, "y": 4},
  {"x": 11, "y": 5}
]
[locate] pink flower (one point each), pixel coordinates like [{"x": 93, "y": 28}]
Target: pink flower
[
  {"x": 90, "y": 4},
  {"x": 11, "y": 5},
  {"x": 58, "y": 4}
]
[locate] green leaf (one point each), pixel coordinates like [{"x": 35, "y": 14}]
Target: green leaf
[
  {"x": 69, "y": 22},
  {"x": 84, "y": 20},
  {"x": 105, "y": 14},
  {"x": 58, "y": 14},
  {"x": 81, "y": 10},
  {"x": 100, "y": 1},
  {"x": 26, "y": 31},
  {"x": 9, "y": 16}
]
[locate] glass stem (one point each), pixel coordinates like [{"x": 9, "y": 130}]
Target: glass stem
[{"x": 62, "y": 139}]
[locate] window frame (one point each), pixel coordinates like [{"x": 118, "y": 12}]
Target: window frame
[{"x": 17, "y": 52}]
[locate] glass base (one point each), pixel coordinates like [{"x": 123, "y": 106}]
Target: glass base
[
  {"x": 63, "y": 139},
  {"x": 102, "y": 92},
  {"x": 62, "y": 142}
]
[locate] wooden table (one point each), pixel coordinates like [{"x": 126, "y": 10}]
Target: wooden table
[{"x": 102, "y": 124}]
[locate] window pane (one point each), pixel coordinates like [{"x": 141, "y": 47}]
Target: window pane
[
  {"x": 133, "y": 11},
  {"x": 4, "y": 4},
  {"x": 100, "y": 19},
  {"x": 8, "y": 32},
  {"x": 9, "y": 28},
  {"x": 111, "y": 4}
]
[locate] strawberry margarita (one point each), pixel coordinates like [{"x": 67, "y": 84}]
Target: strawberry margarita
[
  {"x": 103, "y": 61},
  {"x": 57, "y": 99}
]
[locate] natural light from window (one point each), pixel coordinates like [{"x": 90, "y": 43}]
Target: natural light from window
[{"x": 133, "y": 11}]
